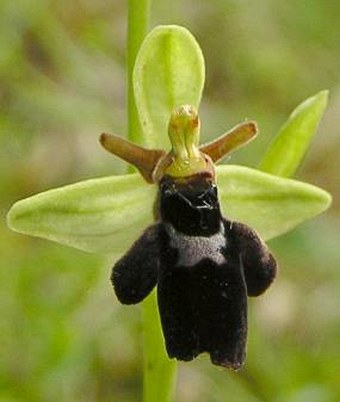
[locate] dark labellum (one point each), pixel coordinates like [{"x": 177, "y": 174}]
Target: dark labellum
[{"x": 204, "y": 266}]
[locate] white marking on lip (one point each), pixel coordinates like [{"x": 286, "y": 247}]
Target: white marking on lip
[{"x": 193, "y": 249}]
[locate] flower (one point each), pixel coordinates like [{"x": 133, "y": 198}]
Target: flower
[{"x": 107, "y": 215}]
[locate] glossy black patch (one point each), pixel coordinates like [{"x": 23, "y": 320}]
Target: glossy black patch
[{"x": 191, "y": 206}]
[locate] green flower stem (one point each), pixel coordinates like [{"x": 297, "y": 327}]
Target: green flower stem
[
  {"x": 159, "y": 372},
  {"x": 138, "y": 23}
]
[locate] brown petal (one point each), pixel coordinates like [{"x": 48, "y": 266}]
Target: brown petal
[
  {"x": 143, "y": 159},
  {"x": 238, "y": 136}
]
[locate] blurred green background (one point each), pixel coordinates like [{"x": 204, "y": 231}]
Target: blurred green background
[{"x": 63, "y": 335}]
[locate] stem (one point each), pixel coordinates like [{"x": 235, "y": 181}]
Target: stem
[
  {"x": 159, "y": 372},
  {"x": 138, "y": 22}
]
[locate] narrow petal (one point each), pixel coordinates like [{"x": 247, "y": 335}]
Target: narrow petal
[
  {"x": 143, "y": 159},
  {"x": 271, "y": 205},
  {"x": 237, "y": 137},
  {"x": 103, "y": 215}
]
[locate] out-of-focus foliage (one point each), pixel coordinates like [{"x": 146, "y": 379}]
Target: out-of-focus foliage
[{"x": 63, "y": 335}]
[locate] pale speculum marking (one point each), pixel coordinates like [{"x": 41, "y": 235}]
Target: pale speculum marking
[{"x": 193, "y": 249}]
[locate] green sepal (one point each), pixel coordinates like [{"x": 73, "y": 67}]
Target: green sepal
[
  {"x": 269, "y": 204},
  {"x": 290, "y": 145},
  {"x": 107, "y": 215},
  {"x": 103, "y": 215},
  {"x": 169, "y": 72}
]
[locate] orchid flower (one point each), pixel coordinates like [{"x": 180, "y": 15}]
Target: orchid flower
[{"x": 107, "y": 215}]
